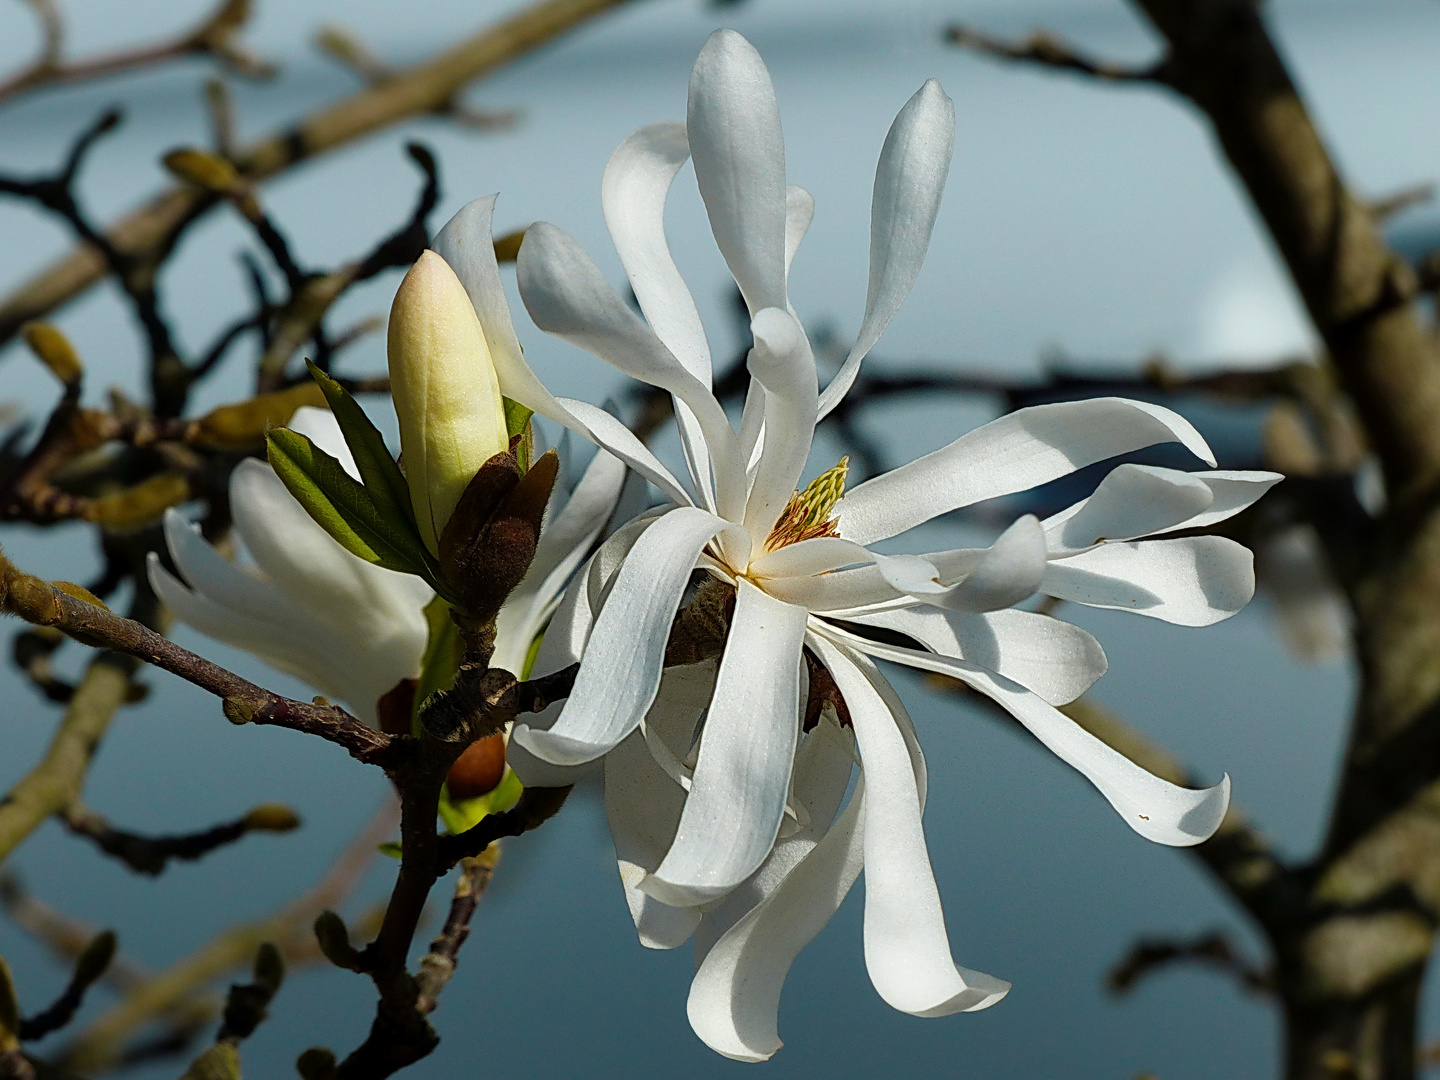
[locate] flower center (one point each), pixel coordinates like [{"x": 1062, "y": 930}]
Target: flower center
[{"x": 807, "y": 514}]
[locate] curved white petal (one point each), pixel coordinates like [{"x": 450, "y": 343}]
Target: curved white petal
[
  {"x": 823, "y": 766},
  {"x": 610, "y": 434},
  {"x": 733, "y": 125},
  {"x": 632, "y": 194},
  {"x": 742, "y": 776},
  {"x": 1234, "y": 491},
  {"x": 1156, "y": 809},
  {"x": 783, "y": 363},
  {"x": 567, "y": 296},
  {"x": 620, "y": 672},
  {"x": 735, "y": 998},
  {"x": 467, "y": 245},
  {"x": 1190, "y": 581},
  {"x": 1010, "y": 571},
  {"x": 907, "y": 950},
  {"x": 799, "y": 212},
  {"x": 1018, "y": 451},
  {"x": 846, "y": 589},
  {"x": 818, "y": 555},
  {"x": 908, "y": 184},
  {"x": 643, "y": 804},
  {"x": 564, "y": 542},
  {"x": 1132, "y": 500},
  {"x": 1050, "y": 657}
]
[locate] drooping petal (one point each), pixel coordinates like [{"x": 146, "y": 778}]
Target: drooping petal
[
  {"x": 567, "y": 296},
  {"x": 735, "y": 998},
  {"x": 1234, "y": 491},
  {"x": 742, "y": 776},
  {"x": 799, "y": 212},
  {"x": 783, "y": 363},
  {"x": 632, "y": 193},
  {"x": 1018, "y": 451},
  {"x": 823, "y": 766},
  {"x": 467, "y": 245},
  {"x": 564, "y": 542},
  {"x": 1048, "y": 656},
  {"x": 733, "y": 125},
  {"x": 1190, "y": 581},
  {"x": 909, "y": 181},
  {"x": 620, "y": 672},
  {"x": 1156, "y": 809},
  {"x": 643, "y": 804},
  {"x": 1010, "y": 571},
  {"x": 907, "y": 950},
  {"x": 1132, "y": 500},
  {"x": 610, "y": 434}
]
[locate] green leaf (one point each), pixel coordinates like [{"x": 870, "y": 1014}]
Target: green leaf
[
  {"x": 517, "y": 422},
  {"x": 442, "y": 658},
  {"x": 381, "y": 476},
  {"x": 344, "y": 508},
  {"x": 459, "y": 816},
  {"x": 391, "y": 849}
]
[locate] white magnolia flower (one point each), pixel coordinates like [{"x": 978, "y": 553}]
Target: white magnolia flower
[
  {"x": 351, "y": 629},
  {"x": 735, "y": 833}
]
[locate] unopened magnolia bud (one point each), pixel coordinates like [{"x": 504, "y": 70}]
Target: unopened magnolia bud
[{"x": 446, "y": 393}]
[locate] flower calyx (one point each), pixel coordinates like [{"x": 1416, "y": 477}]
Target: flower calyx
[
  {"x": 808, "y": 513},
  {"x": 489, "y": 541}
]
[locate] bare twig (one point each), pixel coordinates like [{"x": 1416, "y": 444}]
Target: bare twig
[
  {"x": 214, "y": 36},
  {"x": 150, "y": 855},
  {"x": 415, "y": 92},
  {"x": 1216, "y": 950},
  {"x": 438, "y": 965},
  {"x": 1047, "y": 50}
]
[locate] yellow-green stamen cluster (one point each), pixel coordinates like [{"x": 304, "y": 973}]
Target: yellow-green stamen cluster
[{"x": 807, "y": 514}]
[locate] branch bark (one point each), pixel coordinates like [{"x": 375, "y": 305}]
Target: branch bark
[{"x": 415, "y": 92}]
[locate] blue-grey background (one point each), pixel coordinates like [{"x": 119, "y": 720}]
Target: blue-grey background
[{"x": 1093, "y": 221}]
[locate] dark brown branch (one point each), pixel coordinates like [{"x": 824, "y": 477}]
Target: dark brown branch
[
  {"x": 92, "y": 963},
  {"x": 38, "y": 602},
  {"x": 150, "y": 855},
  {"x": 536, "y": 806},
  {"x": 1049, "y": 51},
  {"x": 1215, "y": 950},
  {"x": 438, "y": 965}
]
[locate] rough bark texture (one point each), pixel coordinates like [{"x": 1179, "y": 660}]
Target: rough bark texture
[{"x": 1352, "y": 932}]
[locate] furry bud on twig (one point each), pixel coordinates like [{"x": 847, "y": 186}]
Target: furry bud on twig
[{"x": 447, "y": 395}]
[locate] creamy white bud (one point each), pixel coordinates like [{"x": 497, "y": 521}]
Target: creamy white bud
[{"x": 452, "y": 419}]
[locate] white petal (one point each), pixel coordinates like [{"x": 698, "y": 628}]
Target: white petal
[
  {"x": 823, "y": 765},
  {"x": 735, "y": 998},
  {"x": 609, "y": 433},
  {"x": 632, "y": 193},
  {"x": 564, "y": 542},
  {"x": 783, "y": 363},
  {"x": 1156, "y": 809},
  {"x": 818, "y": 555},
  {"x": 733, "y": 125},
  {"x": 1234, "y": 491},
  {"x": 567, "y": 296},
  {"x": 908, "y": 184},
  {"x": 1010, "y": 571},
  {"x": 799, "y": 212},
  {"x": 907, "y": 950},
  {"x": 1050, "y": 657},
  {"x": 1018, "y": 451},
  {"x": 620, "y": 672},
  {"x": 637, "y": 180},
  {"x": 1132, "y": 500},
  {"x": 742, "y": 776},
  {"x": 643, "y": 804},
  {"x": 1191, "y": 581},
  {"x": 845, "y": 589}
]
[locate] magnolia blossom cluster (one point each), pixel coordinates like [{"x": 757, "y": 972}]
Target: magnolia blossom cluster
[{"x": 726, "y": 777}]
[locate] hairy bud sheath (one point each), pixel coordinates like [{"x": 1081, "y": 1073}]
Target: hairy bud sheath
[{"x": 446, "y": 394}]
